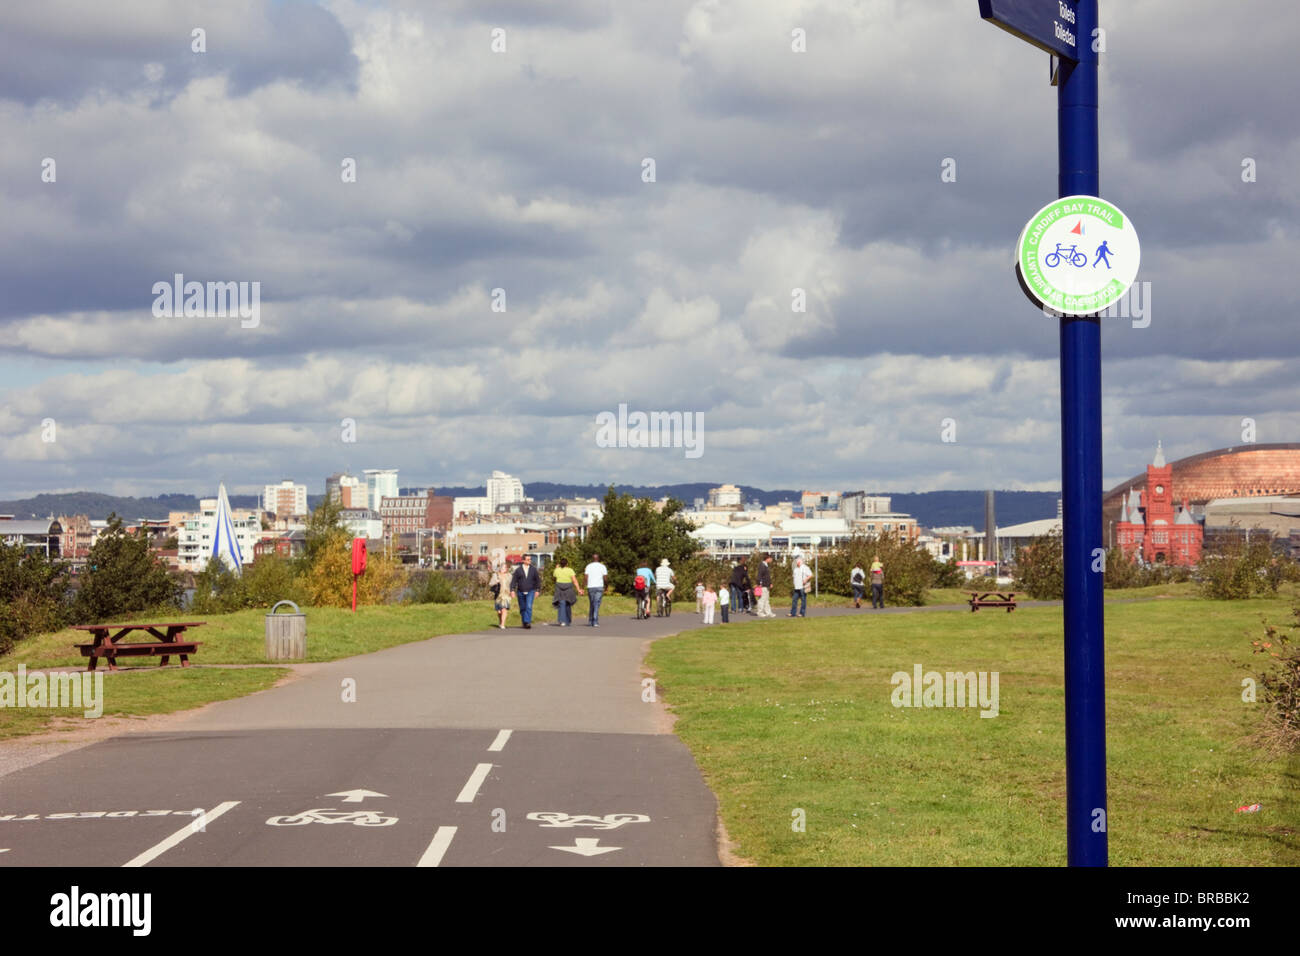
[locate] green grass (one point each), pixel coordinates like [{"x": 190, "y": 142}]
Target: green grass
[
  {"x": 143, "y": 691},
  {"x": 785, "y": 715},
  {"x": 141, "y": 687},
  {"x": 240, "y": 638}
]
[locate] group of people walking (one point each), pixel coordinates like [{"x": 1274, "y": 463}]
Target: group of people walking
[
  {"x": 521, "y": 586},
  {"x": 736, "y": 595}
]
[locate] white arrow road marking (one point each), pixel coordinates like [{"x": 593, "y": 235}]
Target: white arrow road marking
[
  {"x": 586, "y": 846},
  {"x": 500, "y": 742},
  {"x": 441, "y": 840},
  {"x": 470, "y": 790},
  {"x": 355, "y": 796},
  {"x": 199, "y": 824}
]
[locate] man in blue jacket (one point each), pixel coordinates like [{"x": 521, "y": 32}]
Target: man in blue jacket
[{"x": 525, "y": 583}]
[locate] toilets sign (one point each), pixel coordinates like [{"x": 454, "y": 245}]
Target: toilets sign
[
  {"x": 1050, "y": 25},
  {"x": 1077, "y": 256}
]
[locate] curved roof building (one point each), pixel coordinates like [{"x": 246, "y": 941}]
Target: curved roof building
[{"x": 1241, "y": 471}]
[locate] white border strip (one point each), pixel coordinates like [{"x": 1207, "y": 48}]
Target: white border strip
[
  {"x": 470, "y": 790},
  {"x": 199, "y": 824},
  {"x": 441, "y": 840}
]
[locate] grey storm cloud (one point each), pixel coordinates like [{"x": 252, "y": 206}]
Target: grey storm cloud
[
  {"x": 522, "y": 170},
  {"x": 62, "y": 51}
]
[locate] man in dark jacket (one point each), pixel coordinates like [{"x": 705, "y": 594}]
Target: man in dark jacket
[
  {"x": 765, "y": 582},
  {"x": 740, "y": 587},
  {"x": 526, "y": 582}
]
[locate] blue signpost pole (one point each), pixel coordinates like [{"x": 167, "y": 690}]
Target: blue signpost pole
[{"x": 1085, "y": 704}]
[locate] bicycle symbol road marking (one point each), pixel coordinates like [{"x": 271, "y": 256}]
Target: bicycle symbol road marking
[
  {"x": 611, "y": 821},
  {"x": 360, "y": 818}
]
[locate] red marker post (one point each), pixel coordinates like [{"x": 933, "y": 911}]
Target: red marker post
[{"x": 358, "y": 566}]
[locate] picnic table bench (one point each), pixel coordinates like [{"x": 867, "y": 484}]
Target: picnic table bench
[
  {"x": 108, "y": 642},
  {"x": 1006, "y": 599}
]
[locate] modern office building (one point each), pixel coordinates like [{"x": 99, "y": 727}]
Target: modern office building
[{"x": 381, "y": 483}]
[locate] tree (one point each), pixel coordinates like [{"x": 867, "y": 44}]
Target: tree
[
  {"x": 122, "y": 576},
  {"x": 629, "y": 532},
  {"x": 324, "y": 530},
  {"x": 328, "y": 582},
  {"x": 1040, "y": 568},
  {"x": 32, "y": 589}
]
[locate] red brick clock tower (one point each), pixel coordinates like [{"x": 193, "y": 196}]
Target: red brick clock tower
[{"x": 1149, "y": 525}]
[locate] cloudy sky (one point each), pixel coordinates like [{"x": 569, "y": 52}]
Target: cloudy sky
[{"x": 523, "y": 170}]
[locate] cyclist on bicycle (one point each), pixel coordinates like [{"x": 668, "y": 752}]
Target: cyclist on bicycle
[
  {"x": 665, "y": 581},
  {"x": 643, "y": 595}
]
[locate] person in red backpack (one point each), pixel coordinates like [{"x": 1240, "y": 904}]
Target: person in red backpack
[{"x": 639, "y": 587}]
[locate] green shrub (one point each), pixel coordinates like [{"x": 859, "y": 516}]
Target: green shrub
[
  {"x": 909, "y": 568},
  {"x": 32, "y": 590},
  {"x": 1279, "y": 687},
  {"x": 1040, "y": 568},
  {"x": 438, "y": 590},
  {"x": 1239, "y": 569}
]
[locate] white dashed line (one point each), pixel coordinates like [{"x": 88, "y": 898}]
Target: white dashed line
[
  {"x": 199, "y": 824},
  {"x": 470, "y": 790},
  {"x": 441, "y": 840},
  {"x": 500, "y": 742}
]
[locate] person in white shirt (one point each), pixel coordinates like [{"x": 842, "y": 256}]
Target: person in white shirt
[
  {"x": 858, "y": 581},
  {"x": 802, "y": 575},
  {"x": 596, "y": 575},
  {"x": 665, "y": 580}
]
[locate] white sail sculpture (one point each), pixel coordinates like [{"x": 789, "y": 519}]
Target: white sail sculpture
[{"x": 225, "y": 546}]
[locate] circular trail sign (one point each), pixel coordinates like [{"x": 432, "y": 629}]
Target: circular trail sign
[{"x": 1077, "y": 255}]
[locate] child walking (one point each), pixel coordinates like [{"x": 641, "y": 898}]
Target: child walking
[
  {"x": 724, "y": 601},
  {"x": 699, "y": 596},
  {"x": 709, "y": 599}
]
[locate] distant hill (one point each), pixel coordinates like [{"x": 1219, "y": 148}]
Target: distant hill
[{"x": 931, "y": 508}]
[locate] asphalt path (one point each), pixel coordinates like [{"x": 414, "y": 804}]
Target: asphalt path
[{"x": 541, "y": 747}]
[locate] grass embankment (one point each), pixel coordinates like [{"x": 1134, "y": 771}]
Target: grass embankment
[
  {"x": 141, "y": 687},
  {"x": 785, "y": 715},
  {"x": 140, "y": 691}
]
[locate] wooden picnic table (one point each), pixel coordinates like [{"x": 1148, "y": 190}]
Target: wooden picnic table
[
  {"x": 1006, "y": 599},
  {"x": 108, "y": 642}
]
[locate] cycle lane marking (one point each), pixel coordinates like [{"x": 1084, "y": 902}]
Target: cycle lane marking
[
  {"x": 499, "y": 743},
  {"x": 434, "y": 853},
  {"x": 470, "y": 790},
  {"x": 198, "y": 826}
]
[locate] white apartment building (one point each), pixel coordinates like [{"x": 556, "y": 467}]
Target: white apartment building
[
  {"x": 381, "y": 483},
  {"x": 285, "y": 500},
  {"x": 503, "y": 489},
  {"x": 471, "y": 506},
  {"x": 194, "y": 534}
]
